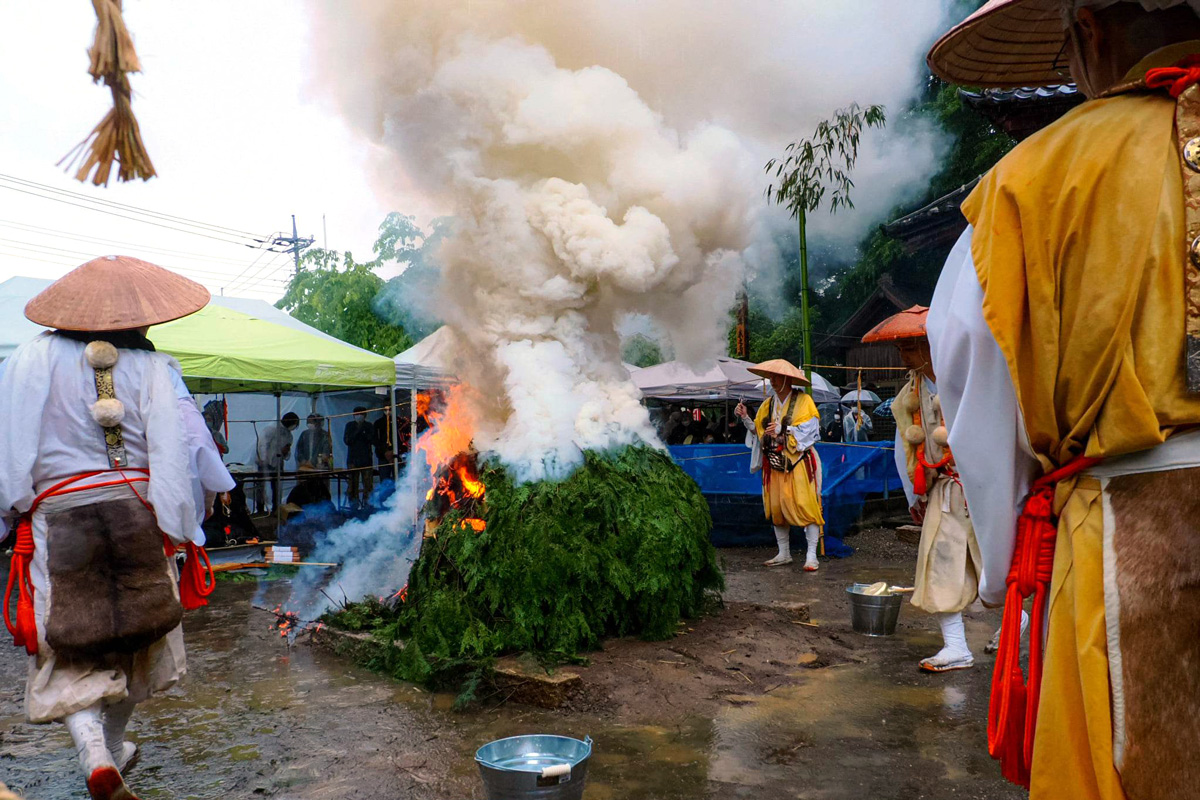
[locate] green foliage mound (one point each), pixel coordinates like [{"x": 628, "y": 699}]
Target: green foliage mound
[{"x": 620, "y": 548}]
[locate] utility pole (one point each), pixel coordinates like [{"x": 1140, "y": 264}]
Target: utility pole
[{"x": 294, "y": 243}]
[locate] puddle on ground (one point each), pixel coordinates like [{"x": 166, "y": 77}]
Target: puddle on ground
[{"x": 256, "y": 719}]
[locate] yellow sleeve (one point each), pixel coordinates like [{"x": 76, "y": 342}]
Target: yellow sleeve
[
  {"x": 806, "y": 409},
  {"x": 760, "y": 419}
]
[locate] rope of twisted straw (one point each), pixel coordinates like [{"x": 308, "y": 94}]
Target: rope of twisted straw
[{"x": 117, "y": 138}]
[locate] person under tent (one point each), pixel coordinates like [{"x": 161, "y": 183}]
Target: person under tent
[
  {"x": 274, "y": 448},
  {"x": 359, "y": 438},
  {"x": 315, "y": 446}
]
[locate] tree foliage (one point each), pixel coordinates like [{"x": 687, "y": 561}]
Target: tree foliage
[
  {"x": 641, "y": 351},
  {"x": 409, "y": 299},
  {"x": 975, "y": 147},
  {"x": 336, "y": 294},
  {"x": 823, "y": 163},
  {"x": 349, "y": 300}
]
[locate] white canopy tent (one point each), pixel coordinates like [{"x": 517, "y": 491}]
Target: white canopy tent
[
  {"x": 427, "y": 363},
  {"x": 719, "y": 379}
]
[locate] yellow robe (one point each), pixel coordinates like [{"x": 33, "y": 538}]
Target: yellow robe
[
  {"x": 791, "y": 498},
  {"x": 1079, "y": 243}
]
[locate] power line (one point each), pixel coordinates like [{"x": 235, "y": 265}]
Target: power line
[
  {"x": 28, "y": 257},
  {"x": 258, "y": 243},
  {"x": 250, "y": 266},
  {"x": 264, "y": 273},
  {"x": 296, "y": 244},
  {"x": 40, "y": 231},
  {"x": 42, "y": 249},
  {"x": 125, "y": 207}
]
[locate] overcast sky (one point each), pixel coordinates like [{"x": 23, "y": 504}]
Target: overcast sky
[{"x": 225, "y": 115}]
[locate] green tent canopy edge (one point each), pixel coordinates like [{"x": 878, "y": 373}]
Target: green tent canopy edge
[{"x": 222, "y": 350}]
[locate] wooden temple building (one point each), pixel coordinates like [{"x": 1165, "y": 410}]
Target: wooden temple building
[
  {"x": 930, "y": 230},
  {"x": 933, "y": 229}
]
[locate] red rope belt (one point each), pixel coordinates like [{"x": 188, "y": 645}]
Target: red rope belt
[
  {"x": 1012, "y": 712},
  {"x": 196, "y": 584},
  {"x": 1175, "y": 79}
]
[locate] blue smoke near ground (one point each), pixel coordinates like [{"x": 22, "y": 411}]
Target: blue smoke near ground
[{"x": 375, "y": 553}]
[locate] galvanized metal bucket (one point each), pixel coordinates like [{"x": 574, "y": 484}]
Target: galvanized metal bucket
[
  {"x": 534, "y": 767},
  {"x": 873, "y": 615}
]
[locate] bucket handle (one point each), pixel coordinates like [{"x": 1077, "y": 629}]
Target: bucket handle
[{"x": 556, "y": 771}]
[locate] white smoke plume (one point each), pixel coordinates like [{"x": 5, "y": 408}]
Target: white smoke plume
[{"x": 603, "y": 159}]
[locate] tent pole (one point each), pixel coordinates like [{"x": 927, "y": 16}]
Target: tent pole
[
  {"x": 412, "y": 424},
  {"x": 391, "y": 426},
  {"x": 279, "y": 469}
]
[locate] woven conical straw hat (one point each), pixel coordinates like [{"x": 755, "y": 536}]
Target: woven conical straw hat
[
  {"x": 1006, "y": 43},
  {"x": 780, "y": 367},
  {"x": 116, "y": 293},
  {"x": 908, "y": 324}
]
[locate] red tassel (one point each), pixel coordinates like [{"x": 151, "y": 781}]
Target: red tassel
[
  {"x": 24, "y": 628},
  {"x": 920, "y": 483},
  {"x": 1013, "y": 707},
  {"x": 197, "y": 581}
]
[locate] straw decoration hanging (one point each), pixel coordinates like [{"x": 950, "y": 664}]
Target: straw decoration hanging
[{"x": 116, "y": 138}]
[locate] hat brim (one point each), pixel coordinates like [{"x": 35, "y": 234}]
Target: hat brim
[
  {"x": 906, "y": 325},
  {"x": 115, "y": 293},
  {"x": 1005, "y": 44},
  {"x": 768, "y": 373}
]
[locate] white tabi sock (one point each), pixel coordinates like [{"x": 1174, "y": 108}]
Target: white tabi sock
[
  {"x": 954, "y": 633},
  {"x": 783, "y": 538},
  {"x": 994, "y": 644},
  {"x": 956, "y": 654},
  {"x": 812, "y": 534},
  {"x": 88, "y": 733},
  {"x": 116, "y": 720}
]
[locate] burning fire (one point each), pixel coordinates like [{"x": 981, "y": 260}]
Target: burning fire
[
  {"x": 452, "y": 426},
  {"x": 287, "y": 623},
  {"x": 472, "y": 486},
  {"x": 451, "y": 459}
]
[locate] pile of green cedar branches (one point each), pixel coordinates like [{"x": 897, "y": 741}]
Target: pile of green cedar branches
[{"x": 620, "y": 548}]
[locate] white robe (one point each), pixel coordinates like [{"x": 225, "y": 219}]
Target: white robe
[
  {"x": 47, "y": 434},
  {"x": 979, "y": 403}
]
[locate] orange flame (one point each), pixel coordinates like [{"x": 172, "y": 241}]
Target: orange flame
[
  {"x": 452, "y": 428},
  {"x": 472, "y": 486},
  {"x": 477, "y": 525}
]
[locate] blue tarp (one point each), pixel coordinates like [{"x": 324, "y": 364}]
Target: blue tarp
[{"x": 850, "y": 472}]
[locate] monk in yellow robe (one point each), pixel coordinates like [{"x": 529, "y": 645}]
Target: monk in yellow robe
[
  {"x": 1066, "y": 332},
  {"x": 782, "y": 436}
]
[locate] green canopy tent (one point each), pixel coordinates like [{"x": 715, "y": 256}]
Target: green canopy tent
[{"x": 222, "y": 350}]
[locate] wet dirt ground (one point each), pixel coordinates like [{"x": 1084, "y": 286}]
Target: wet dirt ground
[{"x": 746, "y": 703}]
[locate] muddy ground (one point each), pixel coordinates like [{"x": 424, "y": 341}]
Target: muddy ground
[{"x": 745, "y": 703}]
